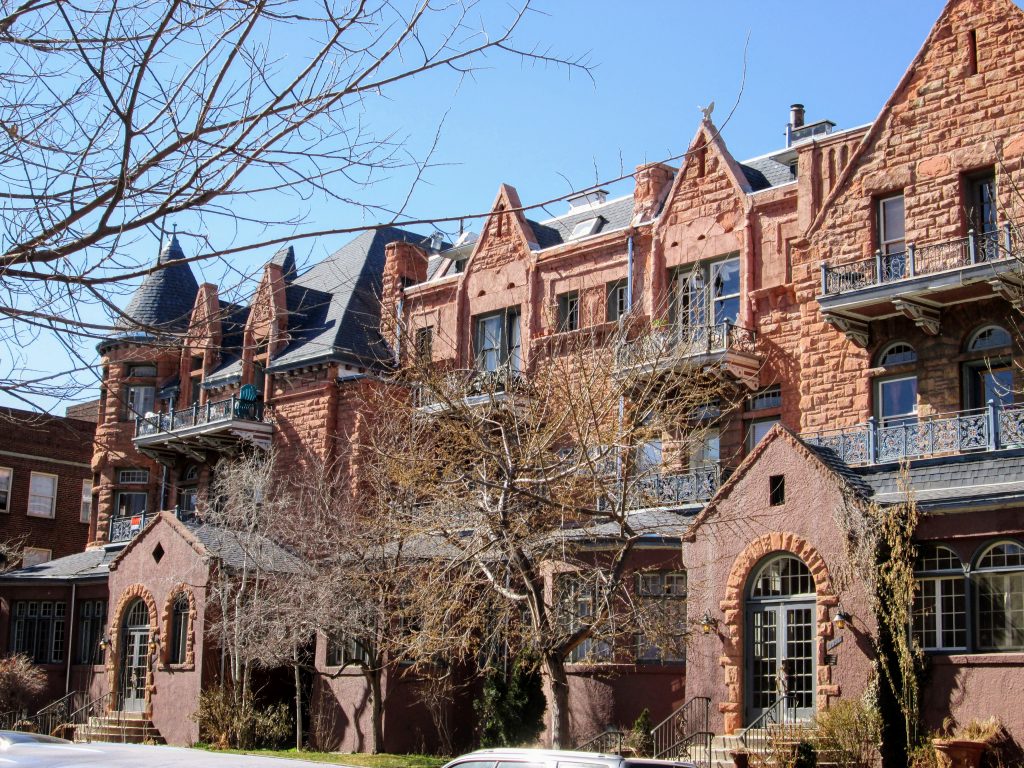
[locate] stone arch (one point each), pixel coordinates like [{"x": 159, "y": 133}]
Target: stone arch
[
  {"x": 166, "y": 621},
  {"x": 733, "y": 607},
  {"x": 128, "y": 596}
]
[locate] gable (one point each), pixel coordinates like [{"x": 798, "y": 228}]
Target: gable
[{"x": 507, "y": 235}]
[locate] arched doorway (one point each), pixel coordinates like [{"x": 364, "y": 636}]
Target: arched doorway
[
  {"x": 781, "y": 637},
  {"x": 134, "y": 658}
]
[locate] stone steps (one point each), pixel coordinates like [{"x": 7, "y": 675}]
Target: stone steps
[{"x": 123, "y": 728}]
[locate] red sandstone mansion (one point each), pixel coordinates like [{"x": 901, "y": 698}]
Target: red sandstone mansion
[{"x": 862, "y": 287}]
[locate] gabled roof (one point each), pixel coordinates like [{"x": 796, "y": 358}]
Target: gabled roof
[
  {"x": 334, "y": 307},
  {"x": 614, "y": 214},
  {"x": 166, "y": 296},
  {"x": 91, "y": 564}
]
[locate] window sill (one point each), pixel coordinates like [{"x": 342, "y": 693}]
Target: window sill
[{"x": 977, "y": 658}]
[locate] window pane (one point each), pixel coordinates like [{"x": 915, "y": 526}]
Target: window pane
[
  {"x": 5, "y": 488},
  {"x": 759, "y": 429},
  {"x": 725, "y": 278},
  {"x": 997, "y": 385},
  {"x": 41, "y": 494},
  {"x": 891, "y": 225},
  {"x": 898, "y": 400},
  {"x": 515, "y": 352},
  {"x": 86, "y": 511}
]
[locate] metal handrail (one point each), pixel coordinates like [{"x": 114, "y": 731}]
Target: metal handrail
[
  {"x": 695, "y": 748},
  {"x": 681, "y": 341},
  {"x": 884, "y": 268},
  {"x": 991, "y": 428},
  {"x": 758, "y": 737},
  {"x": 98, "y": 707},
  {"x": 229, "y": 409},
  {"x": 603, "y": 741},
  {"x": 680, "y": 727},
  {"x": 461, "y": 384}
]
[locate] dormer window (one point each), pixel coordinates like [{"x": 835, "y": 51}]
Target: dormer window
[{"x": 586, "y": 227}]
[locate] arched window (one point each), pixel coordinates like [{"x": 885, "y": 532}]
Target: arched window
[
  {"x": 782, "y": 576},
  {"x": 896, "y": 353},
  {"x": 999, "y": 592},
  {"x": 939, "y": 618},
  {"x": 988, "y": 337},
  {"x": 137, "y": 615},
  {"x": 179, "y": 628},
  {"x": 988, "y": 379}
]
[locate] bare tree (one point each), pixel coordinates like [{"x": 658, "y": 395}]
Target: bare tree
[
  {"x": 117, "y": 117},
  {"x": 525, "y": 490}
]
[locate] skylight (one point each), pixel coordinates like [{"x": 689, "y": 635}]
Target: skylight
[{"x": 586, "y": 227}]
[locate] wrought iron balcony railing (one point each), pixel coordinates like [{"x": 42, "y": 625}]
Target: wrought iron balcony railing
[
  {"x": 668, "y": 345},
  {"x": 467, "y": 385},
  {"x": 127, "y": 527},
  {"x": 994, "y": 427},
  {"x": 231, "y": 409},
  {"x": 671, "y": 489},
  {"x": 887, "y": 268}
]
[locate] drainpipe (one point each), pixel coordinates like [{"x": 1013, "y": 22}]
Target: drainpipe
[
  {"x": 398, "y": 328},
  {"x": 71, "y": 639},
  {"x": 163, "y": 489},
  {"x": 629, "y": 274}
]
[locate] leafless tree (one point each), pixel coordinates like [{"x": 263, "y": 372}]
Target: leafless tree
[
  {"x": 524, "y": 491},
  {"x": 117, "y": 117}
]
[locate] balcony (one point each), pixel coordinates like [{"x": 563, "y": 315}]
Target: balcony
[
  {"x": 918, "y": 282},
  {"x": 468, "y": 386},
  {"x": 218, "y": 425},
  {"x": 674, "y": 489},
  {"x": 985, "y": 429},
  {"x": 724, "y": 346},
  {"x": 124, "y": 529}
]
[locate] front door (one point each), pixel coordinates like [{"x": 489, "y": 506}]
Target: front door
[
  {"x": 134, "y": 659},
  {"x": 781, "y": 639}
]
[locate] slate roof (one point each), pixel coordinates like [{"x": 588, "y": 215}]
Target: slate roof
[
  {"x": 334, "y": 308},
  {"x": 232, "y": 326},
  {"x": 952, "y": 480},
  {"x": 766, "y": 172},
  {"x": 91, "y": 564},
  {"x": 615, "y": 214},
  {"x": 234, "y": 551},
  {"x": 165, "y": 298}
]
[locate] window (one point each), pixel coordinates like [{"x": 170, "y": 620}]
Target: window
[
  {"x": 42, "y": 494},
  {"x": 782, "y": 576},
  {"x": 497, "y": 341},
  {"x": 757, "y": 430},
  {"x": 664, "y": 595},
  {"x": 896, "y": 401},
  {"x": 37, "y": 630},
  {"x": 92, "y": 619},
  {"x": 777, "y": 490},
  {"x": 179, "y": 629},
  {"x": 130, "y": 503},
  {"x": 768, "y": 397},
  {"x": 133, "y": 476},
  {"x": 648, "y": 456},
  {"x": 617, "y": 300},
  {"x": 897, "y": 353},
  {"x": 6, "y": 478},
  {"x": 706, "y": 293},
  {"x": 999, "y": 592},
  {"x": 982, "y": 204},
  {"x": 569, "y": 311},
  {"x": 988, "y": 379},
  {"x": 85, "y": 515},
  {"x": 939, "y": 614},
  {"x": 345, "y": 650},
  {"x": 195, "y": 390},
  {"x": 424, "y": 344},
  {"x": 706, "y": 450},
  {"x": 577, "y": 602},
  {"x": 139, "y": 400},
  {"x": 891, "y": 226},
  {"x": 586, "y": 227},
  {"x": 142, "y": 370},
  {"x": 35, "y": 556}
]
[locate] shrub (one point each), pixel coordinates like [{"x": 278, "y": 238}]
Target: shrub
[
  {"x": 510, "y": 707},
  {"x": 227, "y": 723},
  {"x": 21, "y": 683},
  {"x": 805, "y": 756},
  {"x": 640, "y": 739},
  {"x": 848, "y": 734}
]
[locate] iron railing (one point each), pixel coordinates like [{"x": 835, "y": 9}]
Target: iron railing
[
  {"x": 467, "y": 384},
  {"x": 885, "y": 268},
  {"x": 100, "y": 720},
  {"x": 128, "y": 527},
  {"x": 231, "y": 409},
  {"x": 609, "y": 742},
  {"x": 665, "y": 489},
  {"x": 994, "y": 427},
  {"x": 56, "y": 716},
  {"x": 683, "y": 730},
  {"x": 777, "y": 723},
  {"x": 662, "y": 346}
]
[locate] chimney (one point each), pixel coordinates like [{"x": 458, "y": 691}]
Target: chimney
[
  {"x": 587, "y": 199},
  {"x": 796, "y": 116}
]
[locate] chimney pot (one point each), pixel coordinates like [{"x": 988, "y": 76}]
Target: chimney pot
[{"x": 796, "y": 116}]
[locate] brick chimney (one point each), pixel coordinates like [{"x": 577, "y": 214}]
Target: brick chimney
[
  {"x": 652, "y": 184},
  {"x": 404, "y": 264}
]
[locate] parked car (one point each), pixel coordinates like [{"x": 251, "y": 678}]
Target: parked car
[{"x": 555, "y": 758}]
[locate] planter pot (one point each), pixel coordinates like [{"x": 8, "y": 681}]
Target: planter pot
[
  {"x": 958, "y": 753},
  {"x": 740, "y": 759}
]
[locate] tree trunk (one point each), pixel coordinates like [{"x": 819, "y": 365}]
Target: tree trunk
[
  {"x": 298, "y": 698},
  {"x": 558, "y": 701},
  {"x": 377, "y": 707}
]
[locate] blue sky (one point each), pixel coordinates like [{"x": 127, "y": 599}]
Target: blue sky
[{"x": 654, "y": 62}]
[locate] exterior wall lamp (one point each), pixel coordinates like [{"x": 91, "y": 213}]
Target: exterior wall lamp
[
  {"x": 708, "y": 622},
  {"x": 841, "y": 619}
]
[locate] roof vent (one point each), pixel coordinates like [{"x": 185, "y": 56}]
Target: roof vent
[
  {"x": 437, "y": 241},
  {"x": 798, "y": 130},
  {"x": 588, "y": 199}
]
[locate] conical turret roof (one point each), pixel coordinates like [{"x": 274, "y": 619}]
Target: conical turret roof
[{"x": 166, "y": 296}]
